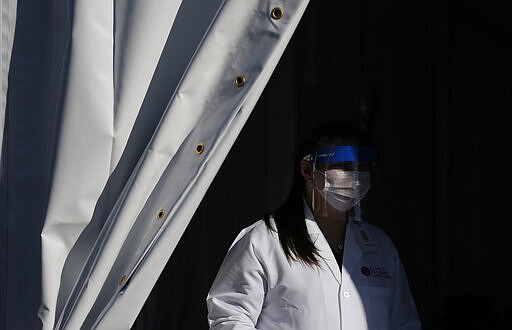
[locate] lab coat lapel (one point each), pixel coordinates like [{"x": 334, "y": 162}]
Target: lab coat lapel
[
  {"x": 358, "y": 240},
  {"x": 358, "y": 246},
  {"x": 352, "y": 249}
]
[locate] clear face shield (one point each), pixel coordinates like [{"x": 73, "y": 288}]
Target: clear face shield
[{"x": 340, "y": 180}]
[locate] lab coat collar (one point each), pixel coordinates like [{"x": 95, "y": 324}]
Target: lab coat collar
[{"x": 357, "y": 242}]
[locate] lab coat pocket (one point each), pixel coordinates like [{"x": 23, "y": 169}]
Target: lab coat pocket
[{"x": 377, "y": 302}]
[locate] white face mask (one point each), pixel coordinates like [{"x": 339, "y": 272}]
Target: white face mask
[{"x": 344, "y": 189}]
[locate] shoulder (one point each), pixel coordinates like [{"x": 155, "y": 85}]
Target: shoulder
[{"x": 256, "y": 234}]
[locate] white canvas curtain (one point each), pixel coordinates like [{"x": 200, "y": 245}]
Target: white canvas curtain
[
  {"x": 7, "y": 26},
  {"x": 114, "y": 216}
]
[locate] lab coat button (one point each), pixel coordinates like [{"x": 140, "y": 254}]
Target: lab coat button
[{"x": 346, "y": 294}]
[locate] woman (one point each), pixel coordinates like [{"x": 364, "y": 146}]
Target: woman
[{"x": 313, "y": 263}]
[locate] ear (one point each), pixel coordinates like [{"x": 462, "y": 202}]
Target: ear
[{"x": 305, "y": 170}]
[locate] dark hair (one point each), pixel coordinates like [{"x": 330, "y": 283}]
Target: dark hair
[{"x": 289, "y": 217}]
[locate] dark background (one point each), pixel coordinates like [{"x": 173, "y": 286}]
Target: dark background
[{"x": 429, "y": 81}]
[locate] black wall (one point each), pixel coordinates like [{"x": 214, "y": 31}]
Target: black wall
[{"x": 429, "y": 82}]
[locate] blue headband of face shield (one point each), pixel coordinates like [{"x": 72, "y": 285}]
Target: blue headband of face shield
[{"x": 340, "y": 154}]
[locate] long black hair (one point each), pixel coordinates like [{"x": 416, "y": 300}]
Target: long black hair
[{"x": 289, "y": 217}]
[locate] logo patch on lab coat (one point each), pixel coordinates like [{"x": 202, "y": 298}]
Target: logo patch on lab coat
[{"x": 375, "y": 272}]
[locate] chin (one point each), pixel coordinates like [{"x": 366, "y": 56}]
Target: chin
[{"x": 332, "y": 214}]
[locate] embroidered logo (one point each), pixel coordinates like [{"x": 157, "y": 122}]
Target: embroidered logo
[
  {"x": 375, "y": 272},
  {"x": 365, "y": 270}
]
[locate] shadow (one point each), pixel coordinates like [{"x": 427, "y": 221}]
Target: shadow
[
  {"x": 37, "y": 80},
  {"x": 472, "y": 312}
]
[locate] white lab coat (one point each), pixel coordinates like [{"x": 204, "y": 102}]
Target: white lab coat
[{"x": 257, "y": 288}]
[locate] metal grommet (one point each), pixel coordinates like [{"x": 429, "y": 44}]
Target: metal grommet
[
  {"x": 277, "y": 13},
  {"x": 199, "y": 148},
  {"x": 160, "y": 215},
  {"x": 122, "y": 280},
  {"x": 239, "y": 81}
]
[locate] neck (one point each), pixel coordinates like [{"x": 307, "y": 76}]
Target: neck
[
  {"x": 331, "y": 222},
  {"x": 334, "y": 231}
]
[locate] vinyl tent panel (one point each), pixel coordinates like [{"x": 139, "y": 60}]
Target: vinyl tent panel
[{"x": 112, "y": 61}]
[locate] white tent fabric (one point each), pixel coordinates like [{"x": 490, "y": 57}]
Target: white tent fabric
[
  {"x": 92, "y": 125},
  {"x": 115, "y": 55},
  {"x": 7, "y": 26}
]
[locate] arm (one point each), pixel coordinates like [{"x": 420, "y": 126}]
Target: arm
[
  {"x": 237, "y": 294},
  {"x": 404, "y": 314}
]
